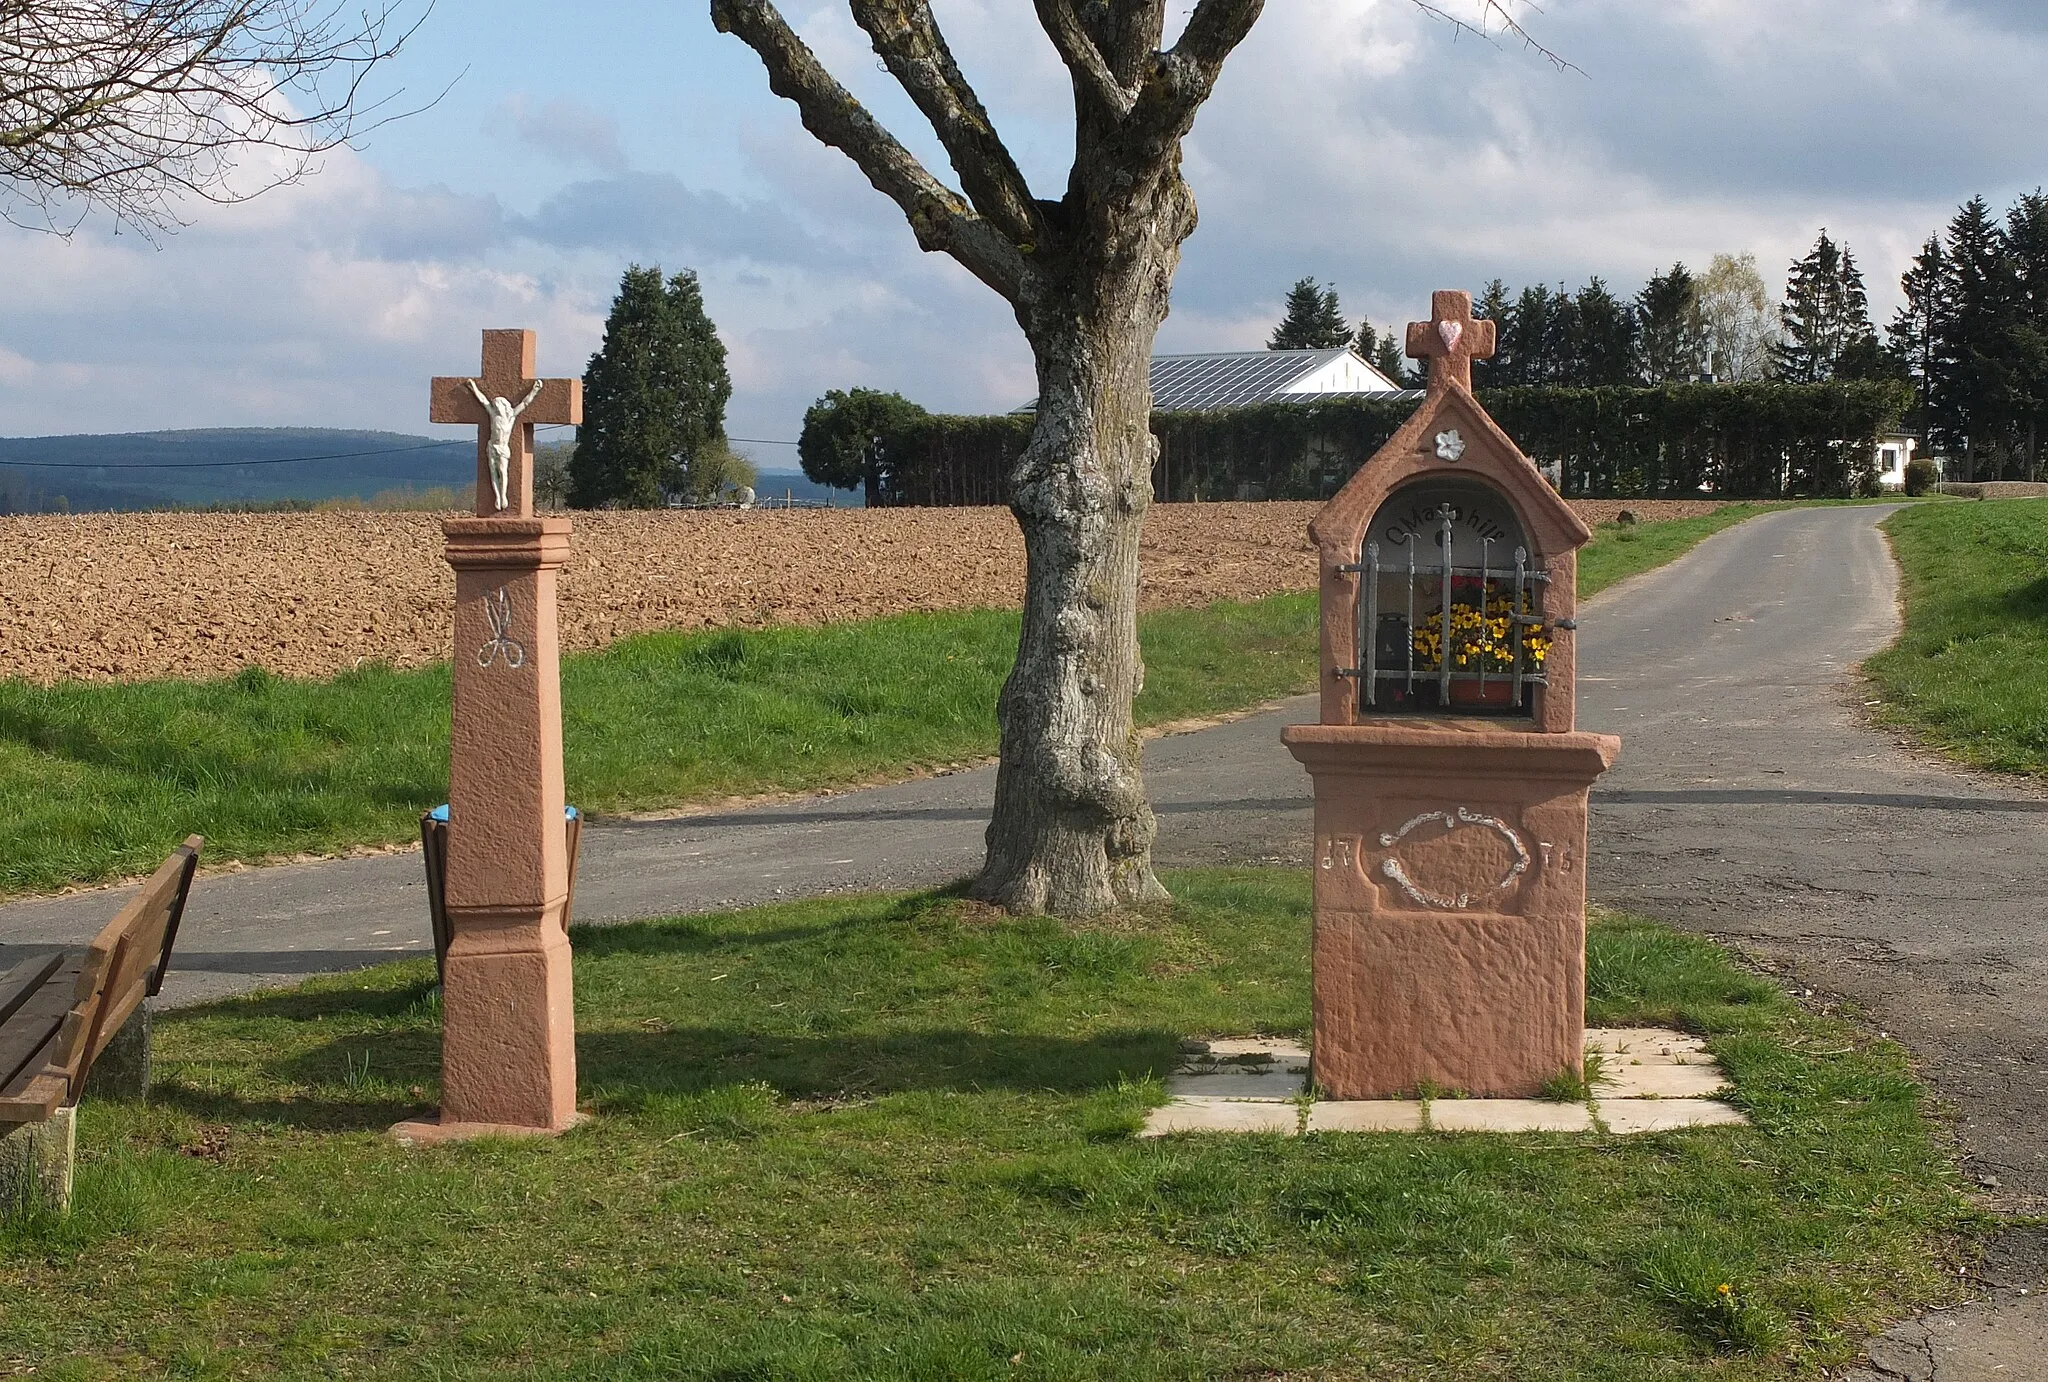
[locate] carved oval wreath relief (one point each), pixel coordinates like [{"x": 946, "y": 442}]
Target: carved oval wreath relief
[{"x": 1455, "y": 860}]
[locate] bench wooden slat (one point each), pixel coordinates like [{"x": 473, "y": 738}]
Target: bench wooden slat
[
  {"x": 136, "y": 944},
  {"x": 18, "y": 983},
  {"x": 34, "y": 1094},
  {"x": 39, "y": 1018}
]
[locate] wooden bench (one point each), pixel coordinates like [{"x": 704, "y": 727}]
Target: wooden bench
[{"x": 60, "y": 1013}]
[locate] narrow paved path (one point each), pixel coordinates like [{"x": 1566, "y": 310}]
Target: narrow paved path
[
  {"x": 1230, "y": 792},
  {"x": 1750, "y": 802}
]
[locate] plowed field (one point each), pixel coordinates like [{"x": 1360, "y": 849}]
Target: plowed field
[{"x": 129, "y": 597}]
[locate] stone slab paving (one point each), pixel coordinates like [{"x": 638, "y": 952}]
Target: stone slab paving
[
  {"x": 1651, "y": 1080},
  {"x": 1365, "y": 1115}
]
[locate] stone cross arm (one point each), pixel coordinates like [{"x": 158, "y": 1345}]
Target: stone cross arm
[
  {"x": 560, "y": 401},
  {"x": 1451, "y": 340}
]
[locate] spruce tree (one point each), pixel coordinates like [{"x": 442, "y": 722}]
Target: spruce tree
[
  {"x": 1530, "y": 339},
  {"x": 1313, "y": 320},
  {"x": 1495, "y": 306},
  {"x": 2026, "y": 246},
  {"x": 1972, "y": 399},
  {"x": 1672, "y": 329},
  {"x": 1390, "y": 358},
  {"x": 1603, "y": 349},
  {"x": 1917, "y": 337},
  {"x": 654, "y": 399},
  {"x": 1826, "y": 316},
  {"x": 1380, "y": 350}
]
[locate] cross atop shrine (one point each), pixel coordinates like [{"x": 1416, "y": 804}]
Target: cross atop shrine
[
  {"x": 505, "y": 403},
  {"x": 1452, "y": 340}
]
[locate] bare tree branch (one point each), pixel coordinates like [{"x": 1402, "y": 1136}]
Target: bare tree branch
[
  {"x": 1078, "y": 50},
  {"x": 1129, "y": 36},
  {"x": 1182, "y": 78},
  {"x": 1498, "y": 9},
  {"x": 908, "y": 41},
  {"x": 939, "y": 217},
  {"x": 129, "y": 106}
]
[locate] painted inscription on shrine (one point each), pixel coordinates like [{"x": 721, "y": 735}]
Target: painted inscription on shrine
[{"x": 1483, "y": 526}]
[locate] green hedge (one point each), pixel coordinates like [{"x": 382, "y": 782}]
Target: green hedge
[{"x": 1753, "y": 441}]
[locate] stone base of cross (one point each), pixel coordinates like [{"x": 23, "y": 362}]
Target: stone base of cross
[{"x": 508, "y": 1030}]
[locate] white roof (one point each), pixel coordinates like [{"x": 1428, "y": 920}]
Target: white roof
[{"x": 1241, "y": 378}]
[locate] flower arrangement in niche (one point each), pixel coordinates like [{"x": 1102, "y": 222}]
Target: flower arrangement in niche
[{"x": 1481, "y": 637}]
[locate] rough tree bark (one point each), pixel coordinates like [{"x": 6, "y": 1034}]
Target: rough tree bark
[{"x": 1089, "y": 277}]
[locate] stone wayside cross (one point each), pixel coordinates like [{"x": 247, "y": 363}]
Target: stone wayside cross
[
  {"x": 508, "y": 1032},
  {"x": 1451, "y": 341}
]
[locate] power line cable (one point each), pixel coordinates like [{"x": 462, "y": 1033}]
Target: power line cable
[{"x": 296, "y": 460}]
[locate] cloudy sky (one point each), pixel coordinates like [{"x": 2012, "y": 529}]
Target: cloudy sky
[{"x": 1358, "y": 141}]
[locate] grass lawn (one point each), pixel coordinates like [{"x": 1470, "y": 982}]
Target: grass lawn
[
  {"x": 1967, "y": 672},
  {"x": 97, "y": 781},
  {"x": 890, "y": 1137},
  {"x": 1616, "y": 553}
]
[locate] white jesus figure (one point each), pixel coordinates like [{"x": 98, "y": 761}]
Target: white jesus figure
[{"x": 502, "y": 415}]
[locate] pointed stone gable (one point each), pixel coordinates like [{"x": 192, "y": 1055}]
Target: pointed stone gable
[{"x": 1485, "y": 453}]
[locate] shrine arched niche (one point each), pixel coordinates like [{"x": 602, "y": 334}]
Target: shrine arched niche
[{"x": 1450, "y": 603}]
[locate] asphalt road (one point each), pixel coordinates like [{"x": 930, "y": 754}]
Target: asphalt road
[{"x": 1750, "y": 802}]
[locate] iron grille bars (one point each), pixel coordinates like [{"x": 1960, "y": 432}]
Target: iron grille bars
[{"x": 1378, "y": 666}]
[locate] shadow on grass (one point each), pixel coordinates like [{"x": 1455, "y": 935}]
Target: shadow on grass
[
  {"x": 626, "y": 1072},
  {"x": 313, "y": 1114},
  {"x": 624, "y": 1068},
  {"x": 711, "y": 932}
]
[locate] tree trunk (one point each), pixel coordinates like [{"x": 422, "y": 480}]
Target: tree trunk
[{"x": 1072, "y": 832}]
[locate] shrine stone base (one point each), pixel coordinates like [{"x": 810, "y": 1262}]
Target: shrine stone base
[{"x": 1450, "y": 903}]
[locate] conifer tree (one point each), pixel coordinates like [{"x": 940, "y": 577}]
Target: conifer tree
[
  {"x": 1917, "y": 336},
  {"x": 1313, "y": 320},
  {"x": 1973, "y": 395},
  {"x": 1532, "y": 339},
  {"x": 1495, "y": 306},
  {"x": 1673, "y": 331},
  {"x": 1380, "y": 350},
  {"x": 1603, "y": 338},
  {"x": 654, "y": 399},
  {"x": 1825, "y": 317},
  {"x": 2026, "y": 246}
]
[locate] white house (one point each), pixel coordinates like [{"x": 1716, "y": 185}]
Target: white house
[
  {"x": 1894, "y": 449},
  {"x": 1241, "y": 378}
]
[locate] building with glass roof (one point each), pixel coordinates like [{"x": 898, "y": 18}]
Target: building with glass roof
[{"x": 1242, "y": 378}]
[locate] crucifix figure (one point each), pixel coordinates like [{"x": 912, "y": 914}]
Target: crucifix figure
[
  {"x": 1452, "y": 341},
  {"x": 499, "y": 447},
  {"x": 504, "y": 443}
]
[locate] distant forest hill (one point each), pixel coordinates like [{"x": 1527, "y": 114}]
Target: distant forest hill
[
  {"x": 236, "y": 467},
  {"x": 226, "y": 466}
]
